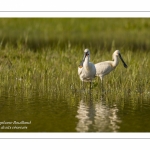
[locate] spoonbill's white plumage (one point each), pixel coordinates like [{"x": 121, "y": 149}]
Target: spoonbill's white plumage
[
  {"x": 104, "y": 68},
  {"x": 86, "y": 69}
]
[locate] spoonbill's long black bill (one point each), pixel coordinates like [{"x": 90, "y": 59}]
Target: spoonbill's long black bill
[{"x": 125, "y": 65}]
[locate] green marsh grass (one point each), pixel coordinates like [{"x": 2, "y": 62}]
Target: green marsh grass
[
  {"x": 41, "y": 56},
  {"x": 54, "y": 73}
]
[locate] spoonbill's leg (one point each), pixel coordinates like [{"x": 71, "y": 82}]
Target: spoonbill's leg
[
  {"x": 83, "y": 85},
  {"x": 102, "y": 89},
  {"x": 90, "y": 85}
]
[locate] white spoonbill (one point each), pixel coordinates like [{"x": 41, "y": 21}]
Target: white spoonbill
[
  {"x": 86, "y": 69},
  {"x": 104, "y": 68}
]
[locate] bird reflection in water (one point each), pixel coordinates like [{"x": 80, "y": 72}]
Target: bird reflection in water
[
  {"x": 97, "y": 116},
  {"x": 84, "y": 118}
]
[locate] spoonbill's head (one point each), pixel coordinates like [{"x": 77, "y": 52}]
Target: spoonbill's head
[
  {"x": 117, "y": 53},
  {"x": 86, "y": 54}
]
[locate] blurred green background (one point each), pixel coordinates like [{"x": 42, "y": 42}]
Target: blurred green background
[{"x": 36, "y": 33}]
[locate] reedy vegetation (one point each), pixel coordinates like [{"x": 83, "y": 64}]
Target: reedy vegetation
[{"x": 27, "y": 66}]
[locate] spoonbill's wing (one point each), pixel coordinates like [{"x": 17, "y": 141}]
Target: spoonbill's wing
[
  {"x": 103, "y": 68},
  {"x": 80, "y": 70}
]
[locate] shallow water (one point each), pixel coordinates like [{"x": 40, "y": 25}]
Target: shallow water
[{"x": 52, "y": 113}]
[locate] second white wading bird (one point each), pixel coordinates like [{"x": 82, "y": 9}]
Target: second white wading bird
[
  {"x": 86, "y": 69},
  {"x": 104, "y": 68}
]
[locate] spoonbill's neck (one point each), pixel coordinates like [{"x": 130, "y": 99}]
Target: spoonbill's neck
[
  {"x": 116, "y": 60},
  {"x": 86, "y": 62}
]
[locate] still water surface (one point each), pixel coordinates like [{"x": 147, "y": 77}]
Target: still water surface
[{"x": 43, "y": 113}]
